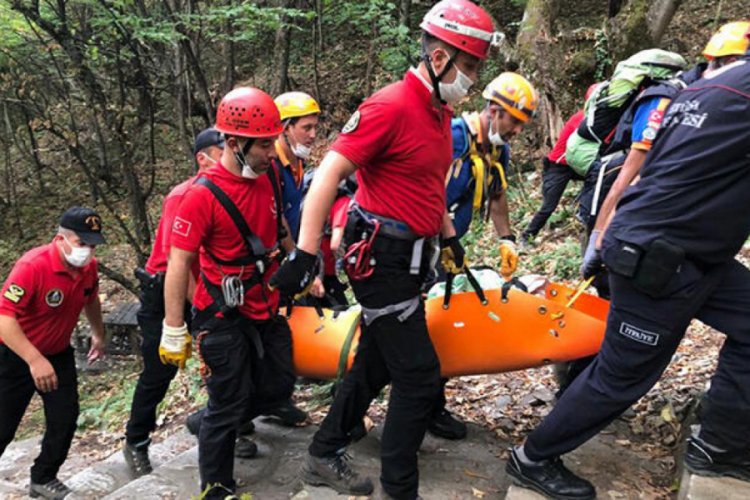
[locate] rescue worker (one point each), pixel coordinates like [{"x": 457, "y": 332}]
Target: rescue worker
[
  {"x": 726, "y": 46},
  {"x": 300, "y": 113},
  {"x": 399, "y": 144},
  {"x": 476, "y": 178},
  {"x": 41, "y": 302},
  {"x": 556, "y": 174},
  {"x": 156, "y": 376},
  {"x": 233, "y": 216},
  {"x": 670, "y": 251}
]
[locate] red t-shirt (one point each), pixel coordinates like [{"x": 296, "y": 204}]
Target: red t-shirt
[
  {"x": 203, "y": 224},
  {"x": 557, "y": 154},
  {"x": 157, "y": 261},
  {"x": 402, "y": 147},
  {"x": 46, "y": 297}
]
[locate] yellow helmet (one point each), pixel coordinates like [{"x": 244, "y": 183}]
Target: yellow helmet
[
  {"x": 730, "y": 40},
  {"x": 296, "y": 104},
  {"x": 515, "y": 94}
]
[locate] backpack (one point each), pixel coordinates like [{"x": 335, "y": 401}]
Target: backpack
[{"x": 610, "y": 100}]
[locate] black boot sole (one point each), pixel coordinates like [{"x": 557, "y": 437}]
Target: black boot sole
[
  {"x": 315, "y": 479},
  {"x": 715, "y": 470},
  {"x": 519, "y": 479}
]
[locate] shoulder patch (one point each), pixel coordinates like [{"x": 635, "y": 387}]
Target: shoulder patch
[
  {"x": 352, "y": 124},
  {"x": 14, "y": 293},
  {"x": 649, "y": 134},
  {"x": 181, "y": 226},
  {"x": 54, "y": 297}
]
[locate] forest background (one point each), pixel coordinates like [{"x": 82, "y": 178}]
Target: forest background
[{"x": 100, "y": 101}]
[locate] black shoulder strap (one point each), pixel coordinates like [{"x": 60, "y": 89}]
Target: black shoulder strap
[
  {"x": 275, "y": 184},
  {"x": 252, "y": 241}
]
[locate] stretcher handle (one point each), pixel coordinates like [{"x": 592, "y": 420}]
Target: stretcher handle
[
  {"x": 513, "y": 282},
  {"x": 448, "y": 290},
  {"x": 583, "y": 286},
  {"x": 476, "y": 286}
]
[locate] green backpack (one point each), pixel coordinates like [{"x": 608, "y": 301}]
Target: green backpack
[{"x": 610, "y": 100}]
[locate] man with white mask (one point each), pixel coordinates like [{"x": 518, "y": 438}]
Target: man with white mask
[
  {"x": 399, "y": 144},
  {"x": 299, "y": 115},
  {"x": 40, "y": 304},
  {"x": 476, "y": 181}
]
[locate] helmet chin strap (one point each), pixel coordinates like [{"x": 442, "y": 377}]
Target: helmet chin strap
[
  {"x": 241, "y": 155},
  {"x": 435, "y": 79}
]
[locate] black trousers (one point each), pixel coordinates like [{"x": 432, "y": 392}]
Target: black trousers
[
  {"x": 555, "y": 178},
  {"x": 237, "y": 379},
  {"x": 60, "y": 408},
  {"x": 155, "y": 378},
  {"x": 390, "y": 351},
  {"x": 642, "y": 334}
]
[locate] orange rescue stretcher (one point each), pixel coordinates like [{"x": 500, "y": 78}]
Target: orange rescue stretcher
[{"x": 508, "y": 330}]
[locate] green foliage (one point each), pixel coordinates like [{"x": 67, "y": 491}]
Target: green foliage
[
  {"x": 603, "y": 56},
  {"x": 559, "y": 262}
]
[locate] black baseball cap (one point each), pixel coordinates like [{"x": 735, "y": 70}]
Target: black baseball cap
[
  {"x": 207, "y": 138},
  {"x": 85, "y": 223}
]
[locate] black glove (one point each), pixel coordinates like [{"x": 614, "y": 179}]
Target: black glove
[
  {"x": 592, "y": 258},
  {"x": 296, "y": 274},
  {"x": 452, "y": 255}
]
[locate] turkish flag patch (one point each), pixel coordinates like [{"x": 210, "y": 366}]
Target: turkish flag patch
[{"x": 181, "y": 226}]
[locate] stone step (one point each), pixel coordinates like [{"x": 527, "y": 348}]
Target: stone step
[
  {"x": 112, "y": 473},
  {"x": 693, "y": 487},
  {"x": 519, "y": 493},
  {"x": 448, "y": 470}
]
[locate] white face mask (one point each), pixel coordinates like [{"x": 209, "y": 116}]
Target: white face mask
[
  {"x": 78, "y": 256},
  {"x": 495, "y": 138},
  {"x": 457, "y": 90},
  {"x": 247, "y": 171},
  {"x": 301, "y": 151}
]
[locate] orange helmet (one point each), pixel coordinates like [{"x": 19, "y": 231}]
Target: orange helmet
[
  {"x": 461, "y": 24},
  {"x": 248, "y": 112},
  {"x": 730, "y": 40},
  {"x": 515, "y": 94}
]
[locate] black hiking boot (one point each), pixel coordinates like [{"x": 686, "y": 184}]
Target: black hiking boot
[
  {"x": 288, "y": 414},
  {"x": 550, "y": 478},
  {"x": 193, "y": 422},
  {"x": 53, "y": 489},
  {"x": 136, "y": 456},
  {"x": 335, "y": 473},
  {"x": 245, "y": 447},
  {"x": 446, "y": 426},
  {"x": 703, "y": 461}
]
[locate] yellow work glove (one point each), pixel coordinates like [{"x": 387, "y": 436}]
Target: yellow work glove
[
  {"x": 176, "y": 345},
  {"x": 508, "y": 258},
  {"x": 452, "y": 255}
]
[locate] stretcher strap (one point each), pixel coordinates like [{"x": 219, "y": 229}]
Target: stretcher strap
[
  {"x": 515, "y": 282},
  {"x": 345, "y": 348},
  {"x": 406, "y": 308}
]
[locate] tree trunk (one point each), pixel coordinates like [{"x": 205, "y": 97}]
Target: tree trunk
[
  {"x": 404, "y": 11},
  {"x": 283, "y": 43},
  {"x": 534, "y": 38},
  {"x": 640, "y": 25}
]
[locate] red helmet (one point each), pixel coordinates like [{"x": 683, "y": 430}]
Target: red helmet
[
  {"x": 248, "y": 112},
  {"x": 462, "y": 24}
]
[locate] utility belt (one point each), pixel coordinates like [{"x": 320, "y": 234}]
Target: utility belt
[
  {"x": 367, "y": 234},
  {"x": 651, "y": 269}
]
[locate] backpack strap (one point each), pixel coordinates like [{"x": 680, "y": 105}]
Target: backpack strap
[{"x": 252, "y": 241}]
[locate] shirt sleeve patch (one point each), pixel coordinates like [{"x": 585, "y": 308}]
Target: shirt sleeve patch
[
  {"x": 14, "y": 293},
  {"x": 181, "y": 226},
  {"x": 352, "y": 124}
]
